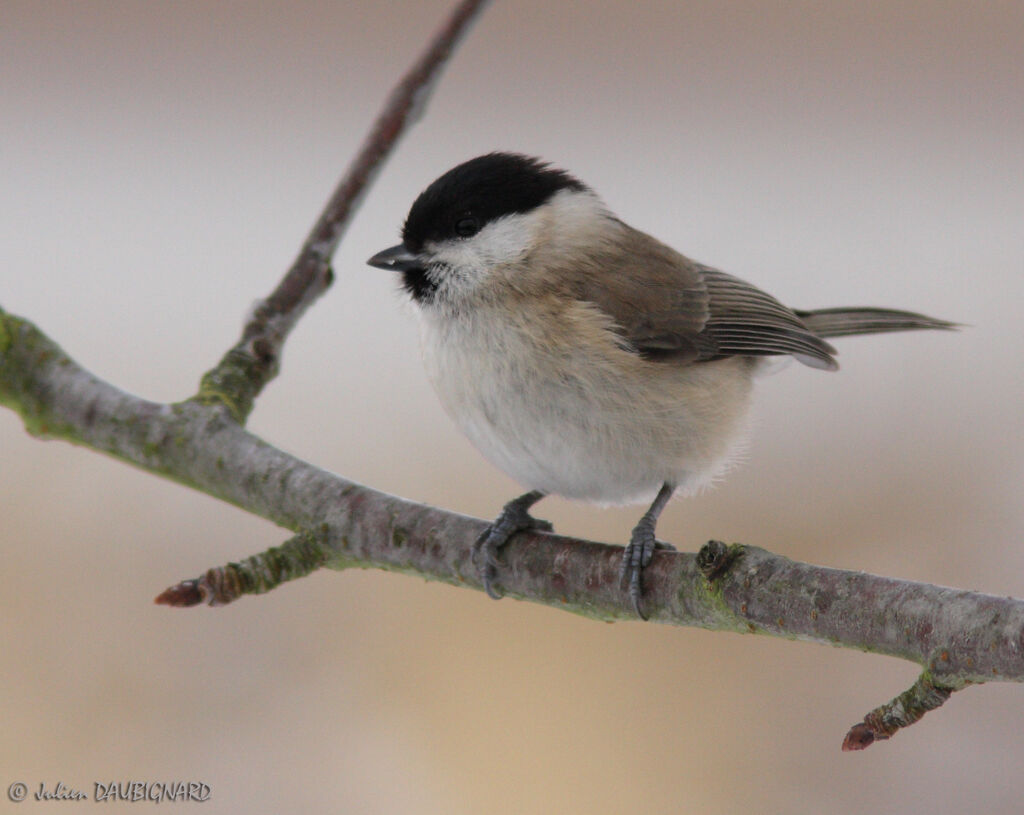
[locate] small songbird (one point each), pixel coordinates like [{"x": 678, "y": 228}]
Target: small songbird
[{"x": 583, "y": 357}]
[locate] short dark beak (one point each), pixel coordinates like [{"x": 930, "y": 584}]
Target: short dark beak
[{"x": 395, "y": 259}]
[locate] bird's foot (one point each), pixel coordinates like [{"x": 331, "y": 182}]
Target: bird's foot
[
  {"x": 637, "y": 555},
  {"x": 515, "y": 517}
]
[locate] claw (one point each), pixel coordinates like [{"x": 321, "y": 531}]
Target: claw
[
  {"x": 635, "y": 558},
  {"x": 515, "y": 517},
  {"x": 636, "y": 593},
  {"x": 485, "y": 554},
  {"x": 642, "y": 543}
]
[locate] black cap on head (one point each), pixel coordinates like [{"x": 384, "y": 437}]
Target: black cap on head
[{"x": 469, "y": 196}]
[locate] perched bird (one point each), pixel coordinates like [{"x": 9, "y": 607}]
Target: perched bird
[{"x": 583, "y": 357}]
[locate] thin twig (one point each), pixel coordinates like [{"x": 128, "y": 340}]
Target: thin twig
[
  {"x": 244, "y": 370},
  {"x": 906, "y": 709},
  {"x": 296, "y": 557}
]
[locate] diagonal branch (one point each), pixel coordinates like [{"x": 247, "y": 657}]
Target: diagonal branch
[
  {"x": 957, "y": 637},
  {"x": 246, "y": 368}
]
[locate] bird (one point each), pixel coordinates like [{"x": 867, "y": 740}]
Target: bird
[{"x": 585, "y": 358}]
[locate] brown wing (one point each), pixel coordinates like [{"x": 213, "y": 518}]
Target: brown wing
[{"x": 672, "y": 309}]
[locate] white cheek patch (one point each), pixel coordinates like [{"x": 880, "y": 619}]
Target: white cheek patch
[
  {"x": 507, "y": 239},
  {"x": 468, "y": 261}
]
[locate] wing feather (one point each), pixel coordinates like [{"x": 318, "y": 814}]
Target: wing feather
[{"x": 670, "y": 308}]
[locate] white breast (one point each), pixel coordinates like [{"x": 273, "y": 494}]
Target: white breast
[{"x": 556, "y": 402}]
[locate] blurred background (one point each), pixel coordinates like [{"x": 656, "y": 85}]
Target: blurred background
[{"x": 160, "y": 165}]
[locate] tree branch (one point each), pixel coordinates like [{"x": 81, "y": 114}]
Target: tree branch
[
  {"x": 957, "y": 637},
  {"x": 244, "y": 370}
]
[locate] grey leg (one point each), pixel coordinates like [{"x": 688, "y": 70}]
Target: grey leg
[
  {"x": 641, "y": 547},
  {"x": 515, "y": 517}
]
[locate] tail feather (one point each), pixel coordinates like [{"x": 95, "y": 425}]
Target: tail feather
[{"x": 843, "y": 322}]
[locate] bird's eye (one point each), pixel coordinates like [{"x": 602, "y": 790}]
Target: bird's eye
[{"x": 467, "y": 227}]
